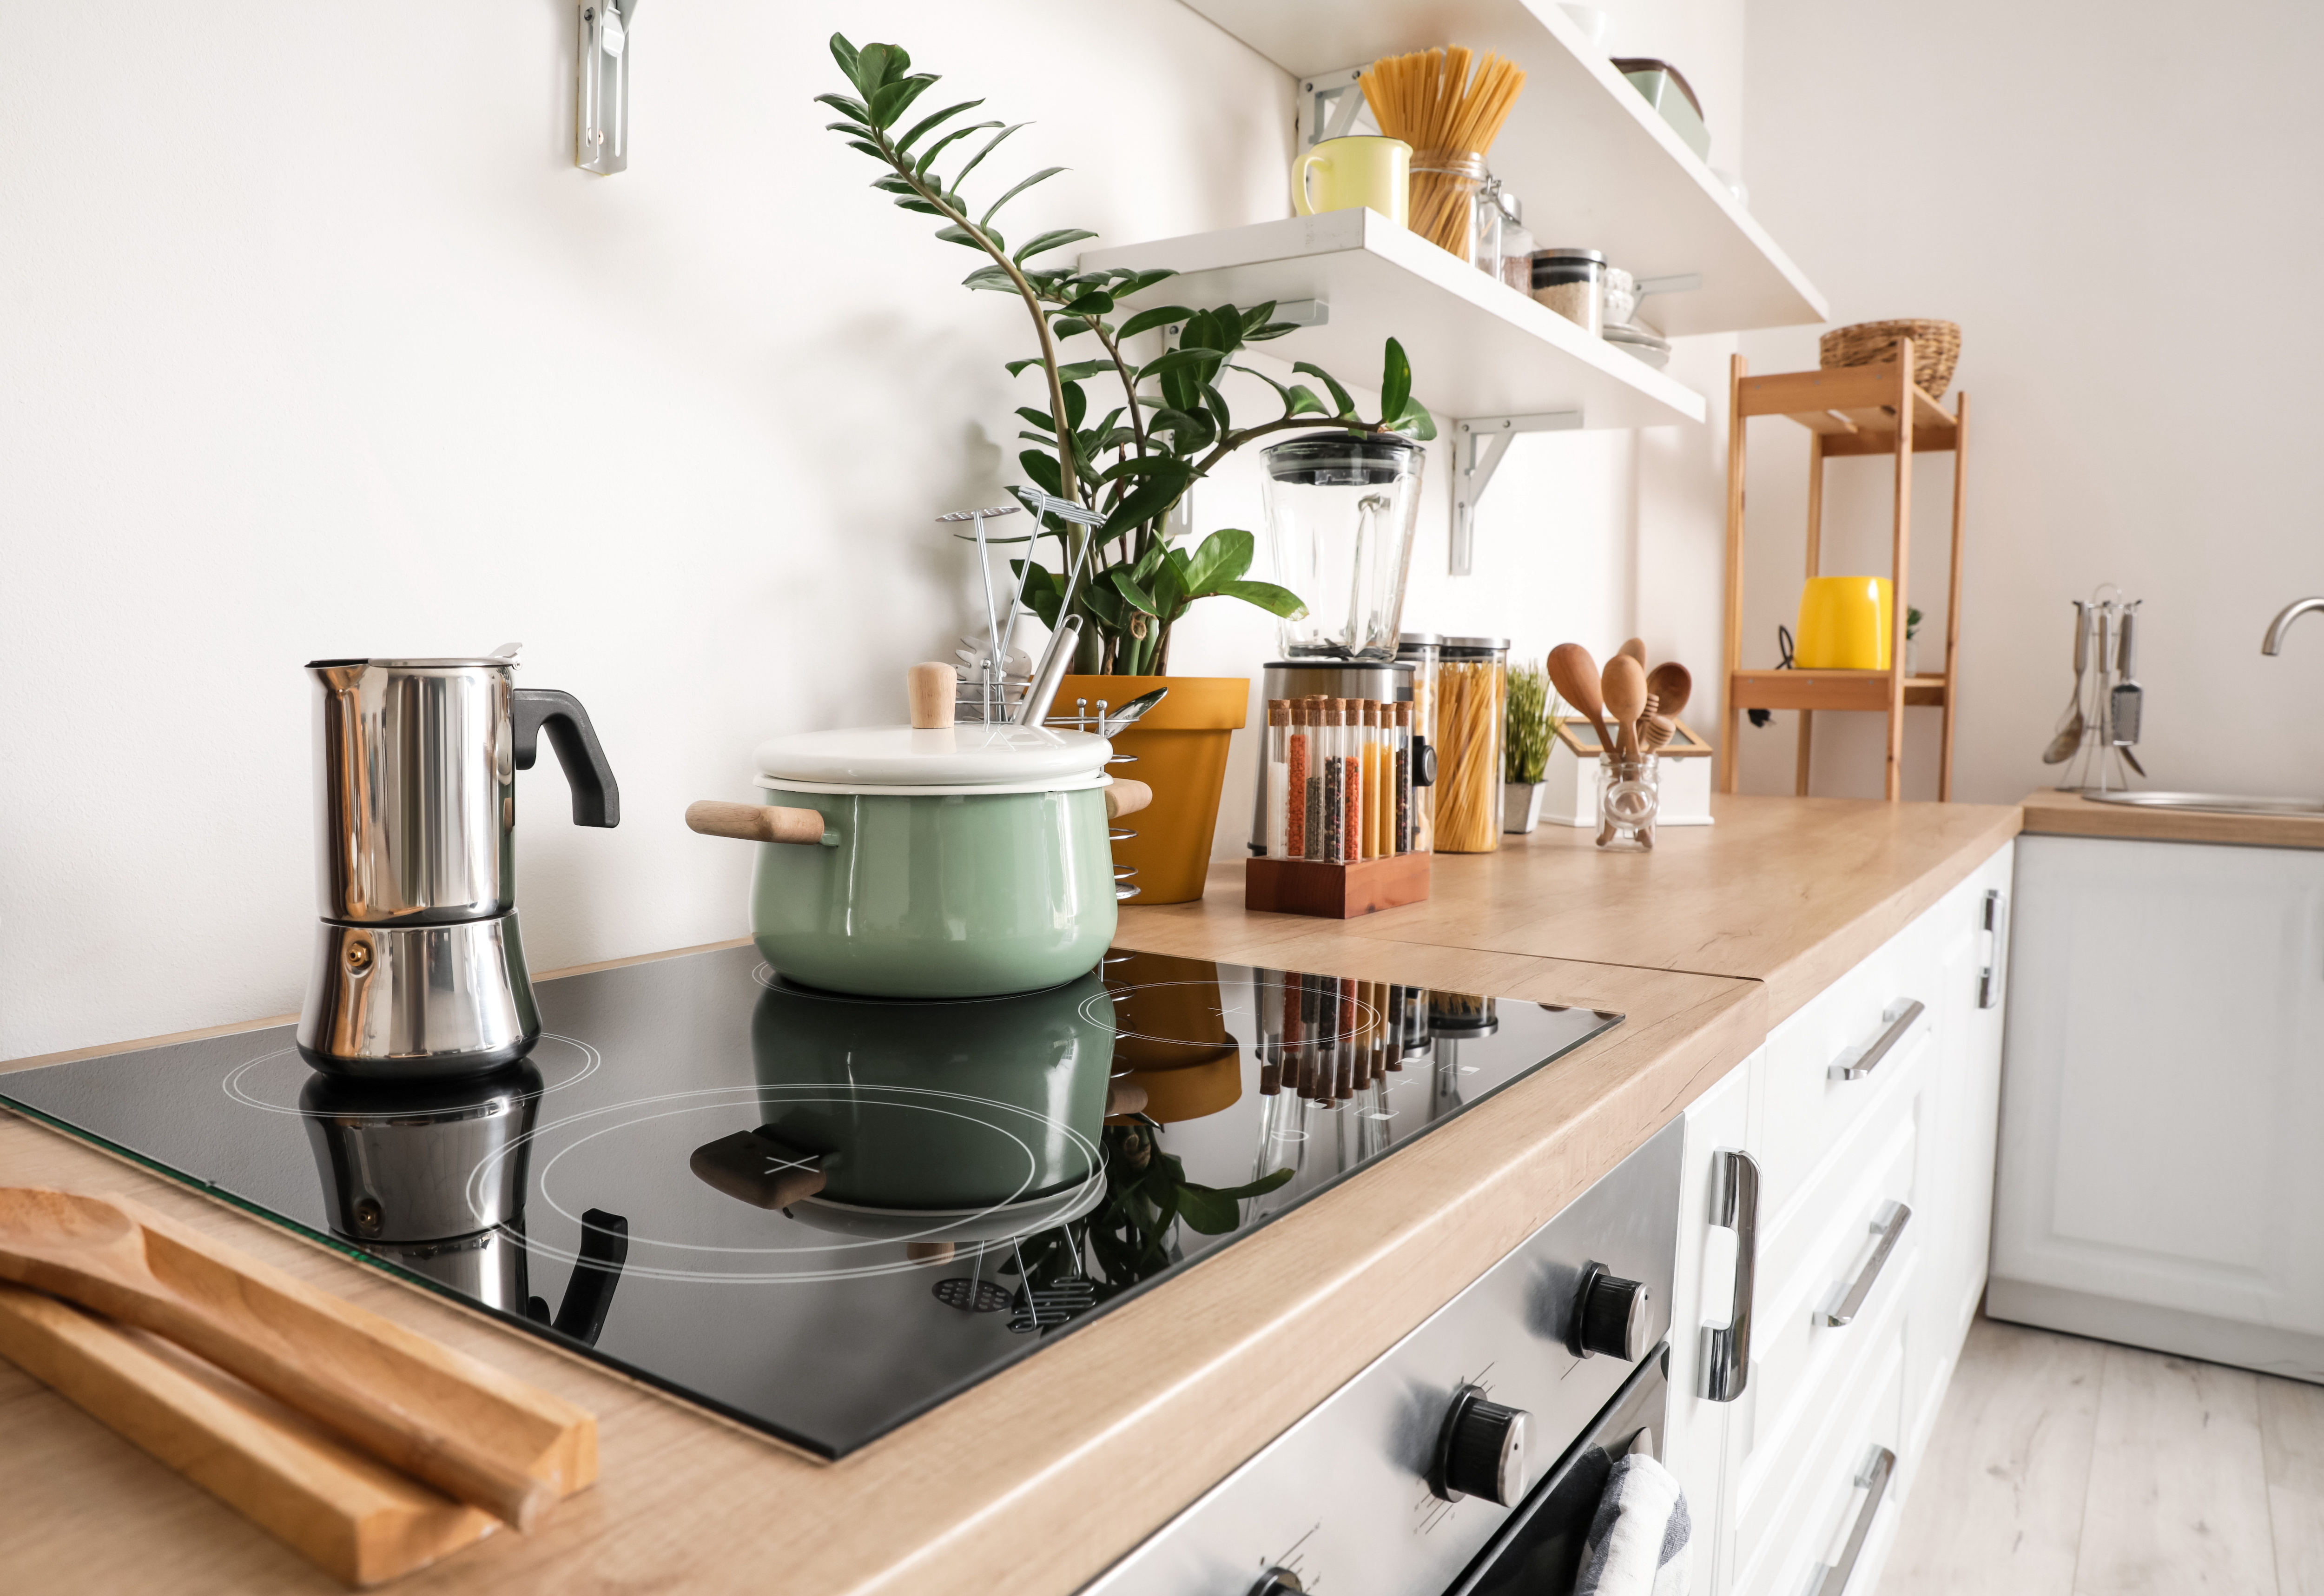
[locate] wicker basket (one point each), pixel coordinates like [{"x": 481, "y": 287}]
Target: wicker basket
[{"x": 1936, "y": 345}]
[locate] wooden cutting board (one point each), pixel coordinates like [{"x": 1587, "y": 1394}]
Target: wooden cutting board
[{"x": 359, "y": 1518}]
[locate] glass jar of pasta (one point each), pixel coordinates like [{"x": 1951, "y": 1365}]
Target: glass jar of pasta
[{"x": 1472, "y": 686}]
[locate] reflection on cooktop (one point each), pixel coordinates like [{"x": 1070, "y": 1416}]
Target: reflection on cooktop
[{"x": 821, "y": 1214}]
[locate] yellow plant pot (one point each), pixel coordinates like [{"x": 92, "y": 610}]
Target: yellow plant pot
[
  {"x": 1181, "y": 748},
  {"x": 1845, "y": 623}
]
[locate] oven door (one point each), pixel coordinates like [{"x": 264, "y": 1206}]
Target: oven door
[{"x": 1537, "y": 1552}]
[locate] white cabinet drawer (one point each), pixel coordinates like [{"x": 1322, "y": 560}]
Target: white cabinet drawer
[
  {"x": 1846, "y": 1506},
  {"x": 1864, "y": 1023},
  {"x": 1802, "y": 1366},
  {"x": 1825, "y": 1241}
]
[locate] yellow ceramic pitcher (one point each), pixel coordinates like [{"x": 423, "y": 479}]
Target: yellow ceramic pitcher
[
  {"x": 1845, "y": 623},
  {"x": 1364, "y": 170}
]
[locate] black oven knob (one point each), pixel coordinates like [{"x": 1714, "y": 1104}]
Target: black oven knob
[
  {"x": 1610, "y": 1317},
  {"x": 1278, "y": 1582},
  {"x": 1482, "y": 1450}
]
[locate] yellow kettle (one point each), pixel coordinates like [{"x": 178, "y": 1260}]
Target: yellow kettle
[{"x": 1845, "y": 623}]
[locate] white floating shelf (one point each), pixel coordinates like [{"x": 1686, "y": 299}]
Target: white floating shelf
[
  {"x": 1478, "y": 348},
  {"x": 1596, "y": 167}
]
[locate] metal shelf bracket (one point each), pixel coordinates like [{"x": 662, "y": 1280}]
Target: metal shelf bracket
[{"x": 1480, "y": 444}]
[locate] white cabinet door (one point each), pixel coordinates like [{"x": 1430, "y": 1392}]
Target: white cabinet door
[
  {"x": 1960, "y": 940},
  {"x": 2163, "y": 1092}
]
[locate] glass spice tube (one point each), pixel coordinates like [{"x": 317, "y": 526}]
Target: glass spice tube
[
  {"x": 1370, "y": 716},
  {"x": 1295, "y": 781},
  {"x": 1351, "y": 749},
  {"x": 1319, "y": 767},
  {"x": 1278, "y": 777},
  {"x": 1336, "y": 791},
  {"x": 1400, "y": 779}
]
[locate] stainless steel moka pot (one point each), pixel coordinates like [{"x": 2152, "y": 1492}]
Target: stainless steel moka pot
[{"x": 419, "y": 972}]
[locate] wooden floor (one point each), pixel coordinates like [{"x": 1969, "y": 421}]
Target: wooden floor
[{"x": 2064, "y": 1467}]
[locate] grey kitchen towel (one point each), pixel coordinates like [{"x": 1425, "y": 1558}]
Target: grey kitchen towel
[{"x": 1637, "y": 1543}]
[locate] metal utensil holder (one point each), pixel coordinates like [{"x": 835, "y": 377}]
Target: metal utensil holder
[{"x": 1084, "y": 719}]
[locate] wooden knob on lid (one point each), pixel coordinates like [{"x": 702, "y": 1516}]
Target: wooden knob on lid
[{"x": 931, "y": 687}]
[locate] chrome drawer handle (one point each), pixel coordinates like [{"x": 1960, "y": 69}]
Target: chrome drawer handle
[
  {"x": 1734, "y": 1206},
  {"x": 1874, "y": 1483},
  {"x": 1900, "y": 1023},
  {"x": 1888, "y": 1226},
  {"x": 1995, "y": 924}
]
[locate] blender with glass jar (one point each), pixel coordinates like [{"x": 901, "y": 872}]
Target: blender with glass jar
[{"x": 1341, "y": 508}]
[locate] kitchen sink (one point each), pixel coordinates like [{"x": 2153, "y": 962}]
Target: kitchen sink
[{"x": 2222, "y": 803}]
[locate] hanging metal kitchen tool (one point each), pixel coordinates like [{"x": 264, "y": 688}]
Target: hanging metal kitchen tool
[
  {"x": 601, "y": 118},
  {"x": 2104, "y": 761}
]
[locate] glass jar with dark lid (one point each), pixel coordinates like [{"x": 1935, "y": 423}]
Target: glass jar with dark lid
[
  {"x": 1341, "y": 508},
  {"x": 1572, "y": 283}
]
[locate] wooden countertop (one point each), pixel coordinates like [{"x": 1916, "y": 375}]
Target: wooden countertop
[
  {"x": 2050, "y": 813},
  {"x": 1042, "y": 1475},
  {"x": 1785, "y": 890}
]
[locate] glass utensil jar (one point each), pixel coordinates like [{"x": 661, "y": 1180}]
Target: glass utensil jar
[
  {"x": 1629, "y": 793},
  {"x": 1472, "y": 700},
  {"x": 1339, "y": 512},
  {"x": 1572, "y": 282},
  {"x": 1446, "y": 185}
]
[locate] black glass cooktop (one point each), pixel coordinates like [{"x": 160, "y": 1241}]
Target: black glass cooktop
[{"x": 818, "y": 1214}]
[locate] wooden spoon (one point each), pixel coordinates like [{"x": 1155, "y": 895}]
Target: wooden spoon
[
  {"x": 1635, "y": 648},
  {"x": 1623, "y": 688},
  {"x": 88, "y": 1251},
  {"x": 1673, "y": 687},
  {"x": 1574, "y": 674}
]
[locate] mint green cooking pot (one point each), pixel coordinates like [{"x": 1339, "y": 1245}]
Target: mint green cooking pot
[{"x": 954, "y": 861}]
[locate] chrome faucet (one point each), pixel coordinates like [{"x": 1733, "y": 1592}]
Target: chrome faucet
[{"x": 2273, "y": 642}]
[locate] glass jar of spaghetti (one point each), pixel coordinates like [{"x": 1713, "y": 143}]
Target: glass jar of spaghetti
[
  {"x": 1445, "y": 188},
  {"x": 1472, "y": 686}
]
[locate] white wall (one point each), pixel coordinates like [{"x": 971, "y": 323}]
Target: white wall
[
  {"x": 317, "y": 344},
  {"x": 2119, "y": 206}
]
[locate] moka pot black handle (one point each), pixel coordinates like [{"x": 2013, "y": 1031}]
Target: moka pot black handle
[{"x": 597, "y": 796}]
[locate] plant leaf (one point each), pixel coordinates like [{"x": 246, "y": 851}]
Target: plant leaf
[
  {"x": 1043, "y": 469},
  {"x": 1178, "y": 359},
  {"x": 991, "y": 144},
  {"x": 928, "y": 156},
  {"x": 926, "y": 122},
  {"x": 870, "y": 68},
  {"x": 1415, "y": 420},
  {"x": 843, "y": 53},
  {"x": 1303, "y": 402},
  {"x": 1273, "y": 329},
  {"x": 992, "y": 277},
  {"x": 1259, "y": 1187},
  {"x": 1224, "y": 556},
  {"x": 1034, "y": 418},
  {"x": 1068, "y": 326},
  {"x": 1396, "y": 381},
  {"x": 1127, "y": 586},
  {"x": 1146, "y": 320},
  {"x": 954, "y": 232},
  {"x": 1096, "y": 302},
  {"x": 1042, "y": 176},
  {"x": 1339, "y": 395},
  {"x": 1081, "y": 371},
  {"x": 1268, "y": 596},
  {"x": 854, "y": 110},
  {"x": 1055, "y": 238},
  {"x": 1208, "y": 1211}
]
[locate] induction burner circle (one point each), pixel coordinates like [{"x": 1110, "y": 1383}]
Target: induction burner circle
[
  {"x": 1357, "y": 1017},
  {"x": 827, "y": 1256},
  {"x": 272, "y": 1080}
]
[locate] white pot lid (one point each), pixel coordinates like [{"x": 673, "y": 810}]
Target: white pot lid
[{"x": 974, "y": 757}]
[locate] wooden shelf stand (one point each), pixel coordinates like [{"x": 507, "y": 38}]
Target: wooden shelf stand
[{"x": 1865, "y": 410}]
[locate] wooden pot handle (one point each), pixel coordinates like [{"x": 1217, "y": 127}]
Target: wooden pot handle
[
  {"x": 1126, "y": 797},
  {"x": 755, "y": 822}
]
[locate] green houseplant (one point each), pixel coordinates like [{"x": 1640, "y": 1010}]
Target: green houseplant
[
  {"x": 1129, "y": 458},
  {"x": 1134, "y": 462}
]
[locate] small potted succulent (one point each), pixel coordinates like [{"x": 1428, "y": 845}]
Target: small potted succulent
[{"x": 1130, "y": 457}]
